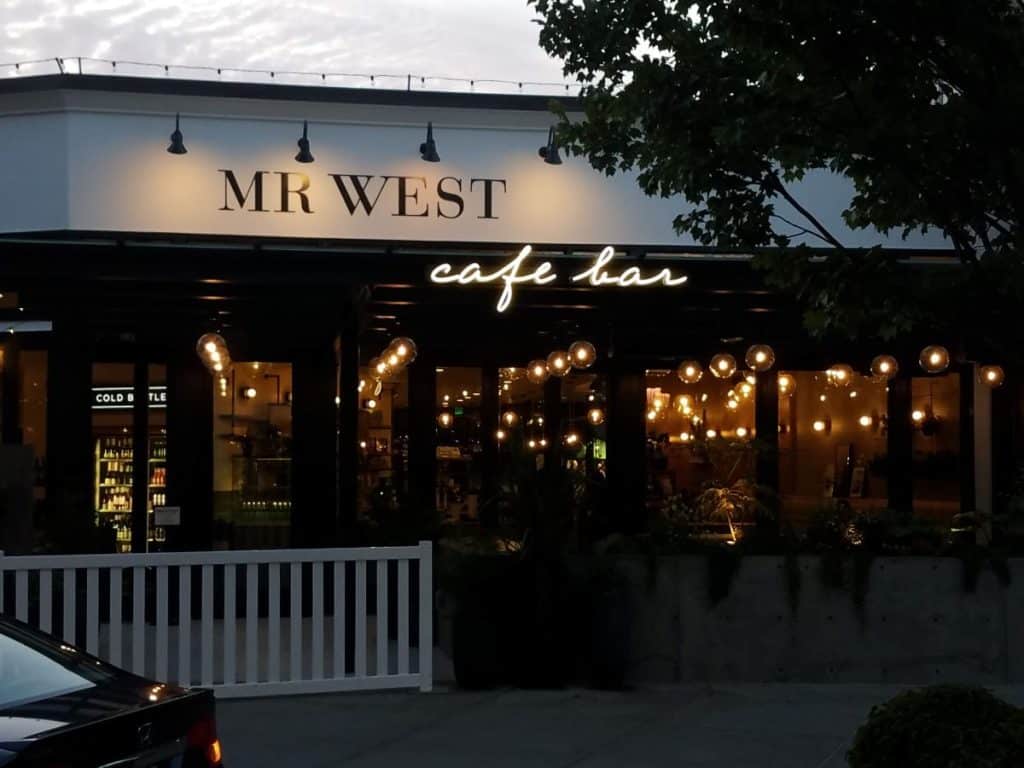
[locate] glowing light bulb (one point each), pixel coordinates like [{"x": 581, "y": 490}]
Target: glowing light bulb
[
  {"x": 760, "y": 357},
  {"x": 684, "y": 437},
  {"x": 934, "y": 359},
  {"x": 511, "y": 418},
  {"x": 558, "y": 363},
  {"x": 537, "y": 371},
  {"x": 652, "y": 415},
  {"x": 732, "y": 405},
  {"x": 582, "y": 354},
  {"x": 595, "y": 416},
  {"x": 865, "y": 421},
  {"x": 712, "y": 434},
  {"x": 371, "y": 404},
  {"x": 723, "y": 365},
  {"x": 500, "y": 435},
  {"x": 818, "y": 425},
  {"x": 992, "y": 375},
  {"x": 689, "y": 372},
  {"x": 917, "y": 415},
  {"x": 741, "y": 431},
  {"x": 572, "y": 438}
]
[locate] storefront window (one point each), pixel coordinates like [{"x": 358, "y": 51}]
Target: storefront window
[
  {"x": 832, "y": 444},
  {"x": 33, "y": 364},
  {"x": 935, "y": 403},
  {"x": 459, "y": 447},
  {"x": 252, "y": 435},
  {"x": 699, "y": 440},
  {"x": 383, "y": 441}
]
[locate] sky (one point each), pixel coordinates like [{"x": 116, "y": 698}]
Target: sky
[{"x": 475, "y": 39}]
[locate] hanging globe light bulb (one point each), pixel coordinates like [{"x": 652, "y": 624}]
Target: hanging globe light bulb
[
  {"x": 510, "y": 418},
  {"x": 760, "y": 357},
  {"x": 884, "y": 367},
  {"x": 537, "y": 371},
  {"x": 786, "y": 384},
  {"x": 689, "y": 372},
  {"x": 934, "y": 359},
  {"x": 582, "y": 354},
  {"x": 723, "y": 365},
  {"x": 595, "y": 416},
  {"x": 992, "y": 375},
  {"x": 558, "y": 363},
  {"x": 500, "y": 435},
  {"x": 404, "y": 348},
  {"x": 512, "y": 374},
  {"x": 444, "y": 419},
  {"x": 840, "y": 375}
]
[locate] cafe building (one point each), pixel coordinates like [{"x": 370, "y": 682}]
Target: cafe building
[{"x": 242, "y": 315}]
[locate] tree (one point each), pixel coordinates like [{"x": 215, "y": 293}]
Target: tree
[{"x": 727, "y": 102}]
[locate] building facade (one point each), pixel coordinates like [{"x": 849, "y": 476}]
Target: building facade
[{"x": 310, "y": 305}]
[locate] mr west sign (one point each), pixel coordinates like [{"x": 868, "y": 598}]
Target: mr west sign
[{"x": 364, "y": 195}]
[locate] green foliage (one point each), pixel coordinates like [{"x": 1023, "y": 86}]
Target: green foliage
[
  {"x": 943, "y": 726},
  {"x": 727, "y": 103}
]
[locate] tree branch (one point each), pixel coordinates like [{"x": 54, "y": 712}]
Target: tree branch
[
  {"x": 777, "y": 186},
  {"x": 799, "y": 229}
]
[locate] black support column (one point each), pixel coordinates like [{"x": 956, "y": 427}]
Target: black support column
[
  {"x": 490, "y": 408},
  {"x": 10, "y": 392},
  {"x": 69, "y": 450},
  {"x": 140, "y": 453},
  {"x": 422, "y": 432},
  {"x": 314, "y": 440},
  {"x": 190, "y": 438},
  {"x": 766, "y": 427},
  {"x": 900, "y": 445},
  {"x": 348, "y": 425},
  {"x": 967, "y": 458},
  {"x": 627, "y": 446}
]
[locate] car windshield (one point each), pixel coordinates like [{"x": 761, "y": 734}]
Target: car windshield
[{"x": 33, "y": 667}]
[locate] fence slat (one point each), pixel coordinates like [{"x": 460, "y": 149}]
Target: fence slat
[
  {"x": 361, "y": 619},
  {"x": 274, "y": 625},
  {"x": 295, "y": 616},
  {"x": 206, "y": 628},
  {"x": 46, "y": 601},
  {"x": 403, "y": 617},
  {"x": 139, "y": 621},
  {"x": 252, "y": 623},
  {"x": 229, "y": 625},
  {"x": 426, "y": 638},
  {"x": 338, "y": 668},
  {"x": 317, "y": 665},
  {"x": 382, "y": 617},
  {"x": 162, "y": 599},
  {"x": 21, "y": 595},
  {"x": 114, "y": 626},
  {"x": 184, "y": 676},
  {"x": 69, "y": 606},
  {"x": 92, "y": 611}
]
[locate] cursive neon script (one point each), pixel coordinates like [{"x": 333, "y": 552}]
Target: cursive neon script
[{"x": 514, "y": 273}]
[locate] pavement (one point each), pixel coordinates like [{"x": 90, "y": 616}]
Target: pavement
[{"x": 727, "y": 726}]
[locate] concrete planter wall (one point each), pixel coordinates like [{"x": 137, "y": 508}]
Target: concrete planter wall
[{"x": 918, "y": 625}]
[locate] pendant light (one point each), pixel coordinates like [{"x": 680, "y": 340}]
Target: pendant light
[
  {"x": 558, "y": 363},
  {"x": 840, "y": 375},
  {"x": 304, "y": 155},
  {"x": 550, "y": 150},
  {"x": 690, "y": 372},
  {"x": 885, "y": 367},
  {"x": 582, "y": 354},
  {"x": 177, "y": 146},
  {"x": 428, "y": 149},
  {"x": 537, "y": 371},
  {"x": 760, "y": 357},
  {"x": 992, "y": 376},
  {"x": 723, "y": 365},
  {"x": 934, "y": 359}
]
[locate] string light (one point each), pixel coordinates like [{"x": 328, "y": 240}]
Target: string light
[
  {"x": 885, "y": 367},
  {"x": 595, "y": 416},
  {"x": 558, "y": 363},
  {"x": 992, "y": 375},
  {"x": 582, "y": 354},
  {"x": 537, "y": 371},
  {"x": 934, "y": 359},
  {"x": 511, "y": 418},
  {"x": 723, "y": 365},
  {"x": 690, "y": 372},
  {"x": 760, "y": 357},
  {"x": 839, "y": 375},
  {"x": 786, "y": 384}
]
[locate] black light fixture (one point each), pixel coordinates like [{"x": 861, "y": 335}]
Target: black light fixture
[
  {"x": 428, "y": 149},
  {"x": 550, "y": 150},
  {"x": 177, "y": 140},
  {"x": 304, "y": 155}
]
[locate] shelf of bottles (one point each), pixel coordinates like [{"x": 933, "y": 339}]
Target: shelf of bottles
[{"x": 115, "y": 463}]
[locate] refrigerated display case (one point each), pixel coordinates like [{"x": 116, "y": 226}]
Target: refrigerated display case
[{"x": 115, "y": 460}]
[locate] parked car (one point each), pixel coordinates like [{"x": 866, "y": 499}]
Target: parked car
[{"x": 62, "y": 708}]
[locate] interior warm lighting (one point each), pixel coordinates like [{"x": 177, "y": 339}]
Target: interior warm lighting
[
  {"x": 934, "y": 359},
  {"x": 511, "y": 418},
  {"x": 689, "y": 372},
  {"x": 840, "y": 375},
  {"x": 823, "y": 397},
  {"x": 865, "y": 421},
  {"x": 558, "y": 363},
  {"x": 723, "y": 365},
  {"x": 885, "y": 367},
  {"x": 500, "y": 435},
  {"x": 853, "y": 394},
  {"x": 741, "y": 431},
  {"x": 652, "y": 414},
  {"x": 371, "y": 404},
  {"x": 215, "y": 753},
  {"x": 819, "y": 425},
  {"x": 760, "y": 357},
  {"x": 248, "y": 393},
  {"x": 917, "y": 415},
  {"x": 595, "y": 416},
  {"x": 684, "y": 437},
  {"x": 404, "y": 348},
  {"x": 732, "y": 405},
  {"x": 444, "y": 419},
  {"x": 746, "y": 389},
  {"x": 751, "y": 379},
  {"x": 532, "y": 443},
  {"x": 711, "y": 434},
  {"x": 537, "y": 371},
  {"x": 362, "y": 444},
  {"x": 582, "y": 354},
  {"x": 572, "y": 438},
  {"x": 786, "y": 384},
  {"x": 992, "y": 375}
]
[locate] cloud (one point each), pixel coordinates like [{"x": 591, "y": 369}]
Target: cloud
[{"x": 442, "y": 38}]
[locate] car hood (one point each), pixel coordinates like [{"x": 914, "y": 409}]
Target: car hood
[{"x": 30, "y": 720}]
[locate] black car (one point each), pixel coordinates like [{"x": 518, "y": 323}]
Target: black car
[{"x": 61, "y": 708}]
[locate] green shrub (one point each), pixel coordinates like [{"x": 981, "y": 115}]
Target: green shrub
[{"x": 942, "y": 726}]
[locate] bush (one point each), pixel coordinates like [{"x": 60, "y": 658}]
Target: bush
[{"x": 942, "y": 726}]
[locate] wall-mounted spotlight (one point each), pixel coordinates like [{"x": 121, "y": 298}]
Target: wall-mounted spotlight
[
  {"x": 550, "y": 150},
  {"x": 304, "y": 155},
  {"x": 428, "y": 149},
  {"x": 177, "y": 146}
]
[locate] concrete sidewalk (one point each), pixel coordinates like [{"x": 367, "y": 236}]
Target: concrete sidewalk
[{"x": 726, "y": 726}]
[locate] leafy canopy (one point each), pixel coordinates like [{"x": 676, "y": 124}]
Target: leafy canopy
[{"x": 726, "y": 102}]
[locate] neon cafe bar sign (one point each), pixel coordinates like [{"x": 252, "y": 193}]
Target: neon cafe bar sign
[{"x": 517, "y": 272}]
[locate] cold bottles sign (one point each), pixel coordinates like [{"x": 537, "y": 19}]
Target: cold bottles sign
[{"x": 123, "y": 398}]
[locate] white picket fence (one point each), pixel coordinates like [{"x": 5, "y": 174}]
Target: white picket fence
[{"x": 233, "y": 620}]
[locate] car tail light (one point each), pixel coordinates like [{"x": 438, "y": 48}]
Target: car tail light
[{"x": 202, "y": 737}]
